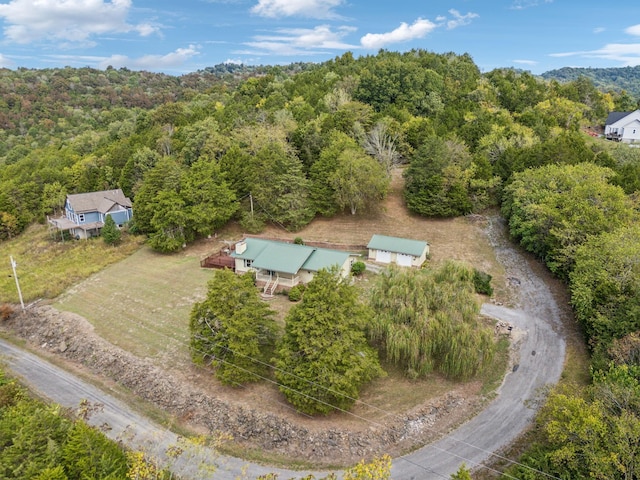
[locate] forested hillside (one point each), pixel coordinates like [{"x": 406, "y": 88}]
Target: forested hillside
[
  {"x": 618, "y": 79},
  {"x": 311, "y": 141}
]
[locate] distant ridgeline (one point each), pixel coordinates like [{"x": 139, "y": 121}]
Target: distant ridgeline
[{"x": 605, "y": 79}]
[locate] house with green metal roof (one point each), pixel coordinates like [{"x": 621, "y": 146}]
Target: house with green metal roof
[
  {"x": 400, "y": 251},
  {"x": 280, "y": 265}
]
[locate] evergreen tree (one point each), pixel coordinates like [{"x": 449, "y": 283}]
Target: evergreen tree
[
  {"x": 110, "y": 232},
  {"x": 232, "y": 329},
  {"x": 324, "y": 359}
]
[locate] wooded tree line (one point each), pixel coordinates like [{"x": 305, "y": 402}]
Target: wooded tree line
[
  {"x": 191, "y": 150},
  {"x": 302, "y": 141}
]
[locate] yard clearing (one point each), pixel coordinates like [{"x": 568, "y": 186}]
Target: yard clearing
[{"x": 140, "y": 306}]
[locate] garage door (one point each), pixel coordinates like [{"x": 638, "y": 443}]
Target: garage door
[
  {"x": 383, "y": 256},
  {"x": 404, "y": 260}
]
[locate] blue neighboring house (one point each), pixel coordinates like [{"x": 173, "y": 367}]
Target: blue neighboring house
[{"x": 85, "y": 213}]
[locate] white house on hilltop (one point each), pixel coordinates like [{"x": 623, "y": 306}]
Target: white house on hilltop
[{"x": 623, "y": 127}]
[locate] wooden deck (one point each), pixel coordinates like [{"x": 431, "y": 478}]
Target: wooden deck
[{"x": 219, "y": 260}]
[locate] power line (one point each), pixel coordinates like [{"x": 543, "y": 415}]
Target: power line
[{"x": 372, "y": 422}]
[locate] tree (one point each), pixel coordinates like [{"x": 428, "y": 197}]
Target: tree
[
  {"x": 382, "y": 145},
  {"x": 437, "y": 179},
  {"x": 463, "y": 473},
  {"x": 280, "y": 188},
  {"x": 427, "y": 320},
  {"x": 322, "y": 190},
  {"x": 232, "y": 329},
  {"x": 605, "y": 284},
  {"x": 359, "y": 181},
  {"x": 324, "y": 359},
  {"x": 210, "y": 203},
  {"x": 110, "y": 232},
  {"x": 555, "y": 208}
]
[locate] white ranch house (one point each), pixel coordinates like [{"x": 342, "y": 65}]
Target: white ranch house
[
  {"x": 623, "y": 127},
  {"x": 400, "y": 251},
  {"x": 281, "y": 265}
]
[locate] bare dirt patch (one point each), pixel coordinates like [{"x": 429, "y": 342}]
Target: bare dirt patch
[{"x": 395, "y": 415}]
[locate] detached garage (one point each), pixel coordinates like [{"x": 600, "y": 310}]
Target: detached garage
[{"x": 401, "y": 251}]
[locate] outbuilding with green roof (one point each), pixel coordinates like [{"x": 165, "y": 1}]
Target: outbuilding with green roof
[{"x": 400, "y": 251}]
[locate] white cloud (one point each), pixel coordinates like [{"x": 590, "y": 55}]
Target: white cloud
[
  {"x": 321, "y": 9},
  {"x": 460, "y": 20},
  {"x": 598, "y": 30},
  {"x": 419, "y": 29},
  {"x": 522, "y": 4},
  {"x": 526, "y": 62},
  {"x": 5, "y": 62},
  {"x": 68, "y": 20},
  {"x": 152, "y": 62},
  {"x": 633, "y": 30},
  {"x": 628, "y": 54},
  {"x": 296, "y": 41}
]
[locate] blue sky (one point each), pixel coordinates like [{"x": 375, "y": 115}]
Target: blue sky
[{"x": 181, "y": 36}]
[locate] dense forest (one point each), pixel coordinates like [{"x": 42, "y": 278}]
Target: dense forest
[
  {"x": 620, "y": 79},
  {"x": 317, "y": 140}
]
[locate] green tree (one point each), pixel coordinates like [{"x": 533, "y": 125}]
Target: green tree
[
  {"x": 437, "y": 179},
  {"x": 110, "y": 232},
  {"x": 463, "y": 473},
  {"x": 324, "y": 359},
  {"x": 605, "y": 285},
  {"x": 210, "y": 203},
  {"x": 87, "y": 453},
  {"x": 359, "y": 181},
  {"x": 322, "y": 190},
  {"x": 232, "y": 329},
  {"x": 280, "y": 188},
  {"x": 552, "y": 210},
  {"x": 428, "y": 320}
]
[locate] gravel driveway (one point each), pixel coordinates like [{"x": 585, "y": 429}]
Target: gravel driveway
[{"x": 536, "y": 319}]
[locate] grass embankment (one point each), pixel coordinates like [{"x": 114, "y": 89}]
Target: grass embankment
[{"x": 47, "y": 267}]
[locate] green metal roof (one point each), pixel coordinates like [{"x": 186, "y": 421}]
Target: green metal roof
[
  {"x": 282, "y": 257},
  {"x": 397, "y": 245},
  {"x": 323, "y": 258},
  {"x": 289, "y": 257}
]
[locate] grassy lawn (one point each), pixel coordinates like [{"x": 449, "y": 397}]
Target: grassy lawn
[
  {"x": 142, "y": 303},
  {"x": 47, "y": 267}
]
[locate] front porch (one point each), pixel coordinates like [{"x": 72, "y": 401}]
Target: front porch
[{"x": 271, "y": 282}]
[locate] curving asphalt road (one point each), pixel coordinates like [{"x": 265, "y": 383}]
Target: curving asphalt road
[{"x": 537, "y": 319}]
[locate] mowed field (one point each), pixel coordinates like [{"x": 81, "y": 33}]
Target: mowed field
[{"x": 142, "y": 303}]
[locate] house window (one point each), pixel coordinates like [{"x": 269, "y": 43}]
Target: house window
[
  {"x": 81, "y": 218},
  {"x": 247, "y": 263}
]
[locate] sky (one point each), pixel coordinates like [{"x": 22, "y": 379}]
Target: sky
[{"x": 182, "y": 36}]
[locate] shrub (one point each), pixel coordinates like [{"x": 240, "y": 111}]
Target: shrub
[
  {"x": 110, "y": 232},
  {"x": 295, "y": 294},
  {"x": 358, "y": 268},
  {"x": 6, "y": 311},
  {"x": 298, "y": 241},
  {"x": 482, "y": 282},
  {"x": 252, "y": 223}
]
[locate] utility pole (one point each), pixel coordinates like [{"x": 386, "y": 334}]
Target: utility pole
[
  {"x": 251, "y": 201},
  {"x": 15, "y": 275}
]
